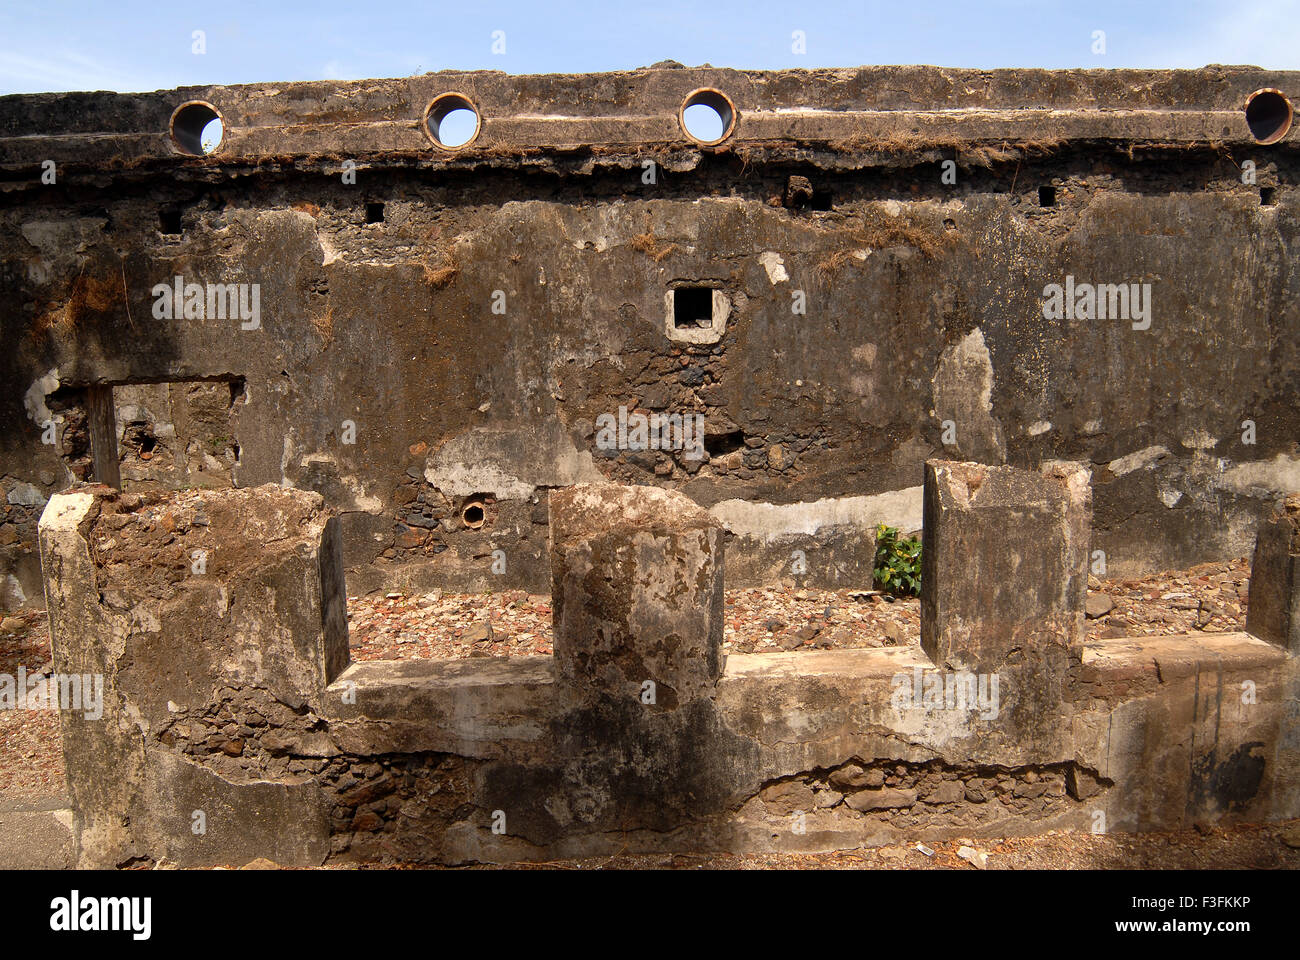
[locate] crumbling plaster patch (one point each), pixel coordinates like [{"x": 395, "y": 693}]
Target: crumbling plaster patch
[
  {"x": 1145, "y": 458},
  {"x": 770, "y": 522},
  {"x": 509, "y": 462},
  {"x": 963, "y": 391},
  {"x": 1280, "y": 473},
  {"x": 774, "y": 266},
  {"x": 34, "y": 398}
]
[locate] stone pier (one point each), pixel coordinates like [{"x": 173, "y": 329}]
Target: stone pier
[
  {"x": 636, "y": 591},
  {"x": 188, "y": 606},
  {"x": 1274, "y": 611}
]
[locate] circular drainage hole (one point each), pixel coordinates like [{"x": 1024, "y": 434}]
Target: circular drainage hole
[
  {"x": 1268, "y": 115},
  {"x": 196, "y": 128},
  {"x": 708, "y": 116},
  {"x": 452, "y": 121},
  {"x": 474, "y": 514}
]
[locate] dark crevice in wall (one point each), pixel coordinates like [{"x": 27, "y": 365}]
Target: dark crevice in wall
[
  {"x": 67, "y": 406},
  {"x": 725, "y": 175},
  {"x": 169, "y": 220},
  {"x": 722, "y": 444}
]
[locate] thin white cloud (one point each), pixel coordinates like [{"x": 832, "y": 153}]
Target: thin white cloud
[
  {"x": 333, "y": 70},
  {"x": 65, "y": 70},
  {"x": 1262, "y": 33}
]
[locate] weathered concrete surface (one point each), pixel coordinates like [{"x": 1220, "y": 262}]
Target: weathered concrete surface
[
  {"x": 432, "y": 356},
  {"x": 816, "y": 751},
  {"x": 812, "y": 751},
  {"x": 178, "y": 602},
  {"x": 489, "y": 708},
  {"x": 830, "y": 542},
  {"x": 1274, "y": 611},
  {"x": 1200, "y": 728},
  {"x": 1004, "y": 565},
  {"x": 923, "y": 300},
  {"x": 545, "y": 757},
  {"x": 797, "y": 106},
  {"x": 636, "y": 590}
]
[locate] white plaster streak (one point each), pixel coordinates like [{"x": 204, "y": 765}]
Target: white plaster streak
[
  {"x": 770, "y": 522},
  {"x": 1144, "y": 458},
  {"x": 329, "y": 252},
  {"x": 285, "y": 457},
  {"x": 1279, "y": 475},
  {"x": 510, "y": 462},
  {"x": 14, "y": 590}
]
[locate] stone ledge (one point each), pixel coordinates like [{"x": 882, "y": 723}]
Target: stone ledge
[
  {"x": 489, "y": 707},
  {"x": 872, "y": 663},
  {"x": 1180, "y": 655},
  {"x": 626, "y": 112},
  {"x": 391, "y": 689}
]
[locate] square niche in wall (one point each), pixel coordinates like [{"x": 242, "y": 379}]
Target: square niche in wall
[{"x": 695, "y": 314}]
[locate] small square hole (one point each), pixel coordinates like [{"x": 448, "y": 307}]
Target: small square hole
[
  {"x": 693, "y": 308},
  {"x": 374, "y": 213},
  {"x": 1047, "y": 196},
  {"x": 169, "y": 220},
  {"x": 821, "y": 200},
  {"x": 1267, "y": 196}
]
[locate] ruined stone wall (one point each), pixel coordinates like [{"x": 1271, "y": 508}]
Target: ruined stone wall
[
  {"x": 232, "y": 725},
  {"x": 439, "y": 335}
]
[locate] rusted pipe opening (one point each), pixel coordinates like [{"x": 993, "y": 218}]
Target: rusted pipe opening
[
  {"x": 473, "y": 514},
  {"x": 704, "y": 100},
  {"x": 1268, "y": 115},
  {"x": 455, "y": 135},
  {"x": 196, "y": 128}
]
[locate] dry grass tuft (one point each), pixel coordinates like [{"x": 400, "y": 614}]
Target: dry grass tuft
[
  {"x": 324, "y": 324},
  {"x": 834, "y": 262},
  {"x": 651, "y": 246},
  {"x": 881, "y": 236},
  {"x": 90, "y": 296},
  {"x": 442, "y": 275}
]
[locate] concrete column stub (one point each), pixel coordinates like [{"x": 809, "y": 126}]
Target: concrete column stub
[
  {"x": 637, "y": 593},
  {"x": 1273, "y": 612},
  {"x": 1004, "y": 564}
]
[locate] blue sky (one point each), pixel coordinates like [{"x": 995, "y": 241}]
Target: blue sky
[{"x": 135, "y": 46}]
